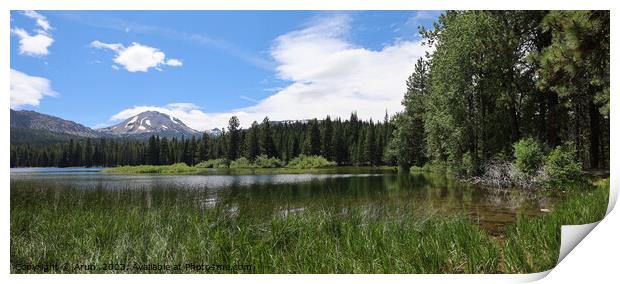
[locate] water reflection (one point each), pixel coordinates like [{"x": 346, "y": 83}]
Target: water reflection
[{"x": 266, "y": 196}]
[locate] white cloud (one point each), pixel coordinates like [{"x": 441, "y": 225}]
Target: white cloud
[
  {"x": 112, "y": 46},
  {"x": 174, "y": 62},
  {"x": 28, "y": 90},
  {"x": 427, "y": 14},
  {"x": 137, "y": 57},
  {"x": 41, "y": 20},
  {"x": 37, "y": 43},
  {"x": 328, "y": 74}
]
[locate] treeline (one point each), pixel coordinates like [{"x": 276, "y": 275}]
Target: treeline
[
  {"x": 348, "y": 142},
  {"x": 497, "y": 77},
  {"x": 493, "y": 78}
]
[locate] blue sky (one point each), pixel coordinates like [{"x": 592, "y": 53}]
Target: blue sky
[{"x": 99, "y": 67}]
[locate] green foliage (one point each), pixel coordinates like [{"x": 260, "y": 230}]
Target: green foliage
[
  {"x": 234, "y": 138},
  {"x": 266, "y": 143},
  {"x": 575, "y": 66},
  {"x": 312, "y": 145},
  {"x": 528, "y": 155},
  {"x": 561, "y": 164},
  {"x": 467, "y": 110},
  {"x": 241, "y": 163},
  {"x": 577, "y": 61},
  {"x": 262, "y": 161},
  {"x": 252, "y": 142},
  {"x": 407, "y": 144},
  {"x": 309, "y": 162},
  {"x": 213, "y": 163},
  {"x": 438, "y": 167},
  {"x": 468, "y": 165},
  {"x": 327, "y": 149},
  {"x": 152, "y": 169},
  {"x": 479, "y": 92}
]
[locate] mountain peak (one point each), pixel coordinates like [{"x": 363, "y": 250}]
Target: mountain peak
[{"x": 151, "y": 122}]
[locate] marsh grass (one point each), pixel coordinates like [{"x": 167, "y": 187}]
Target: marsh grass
[
  {"x": 533, "y": 244},
  {"x": 95, "y": 226},
  {"x": 54, "y": 224}
]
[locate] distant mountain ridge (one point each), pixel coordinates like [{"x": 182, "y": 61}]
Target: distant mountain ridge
[
  {"x": 27, "y": 123},
  {"x": 37, "y": 121}
]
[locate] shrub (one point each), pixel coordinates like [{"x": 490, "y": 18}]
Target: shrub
[
  {"x": 213, "y": 163},
  {"x": 528, "y": 155},
  {"x": 468, "y": 165},
  {"x": 436, "y": 166},
  {"x": 414, "y": 169},
  {"x": 262, "y": 161},
  {"x": 152, "y": 169},
  {"x": 241, "y": 163},
  {"x": 562, "y": 165},
  {"x": 310, "y": 162}
]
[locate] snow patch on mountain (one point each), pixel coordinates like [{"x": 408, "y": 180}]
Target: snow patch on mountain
[{"x": 152, "y": 122}]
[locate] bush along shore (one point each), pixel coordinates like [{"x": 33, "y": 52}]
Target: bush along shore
[
  {"x": 301, "y": 162},
  {"x": 532, "y": 166}
]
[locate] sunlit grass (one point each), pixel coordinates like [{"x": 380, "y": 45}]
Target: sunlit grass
[
  {"x": 533, "y": 244},
  {"x": 51, "y": 224},
  {"x": 96, "y": 226}
]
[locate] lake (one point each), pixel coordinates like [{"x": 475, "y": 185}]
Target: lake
[{"x": 268, "y": 196}]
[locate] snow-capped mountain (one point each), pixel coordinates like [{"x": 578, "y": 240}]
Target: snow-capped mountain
[
  {"x": 215, "y": 132},
  {"x": 151, "y": 122}
]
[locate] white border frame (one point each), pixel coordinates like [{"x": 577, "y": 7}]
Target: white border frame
[{"x": 596, "y": 257}]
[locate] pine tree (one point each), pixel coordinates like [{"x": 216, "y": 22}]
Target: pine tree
[
  {"x": 313, "y": 138},
  {"x": 164, "y": 152},
  {"x": 267, "y": 146},
  {"x": 203, "y": 148},
  {"x": 252, "y": 148},
  {"x": 326, "y": 147},
  {"x": 234, "y": 138},
  {"x": 370, "y": 146},
  {"x": 88, "y": 153},
  {"x": 153, "y": 151},
  {"x": 339, "y": 148}
]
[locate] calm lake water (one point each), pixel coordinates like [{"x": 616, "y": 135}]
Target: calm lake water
[{"x": 269, "y": 195}]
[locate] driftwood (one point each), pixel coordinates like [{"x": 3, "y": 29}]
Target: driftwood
[{"x": 500, "y": 173}]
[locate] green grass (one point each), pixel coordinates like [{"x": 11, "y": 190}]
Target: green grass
[
  {"x": 533, "y": 244},
  {"x": 96, "y": 226},
  {"x": 51, "y": 224}
]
